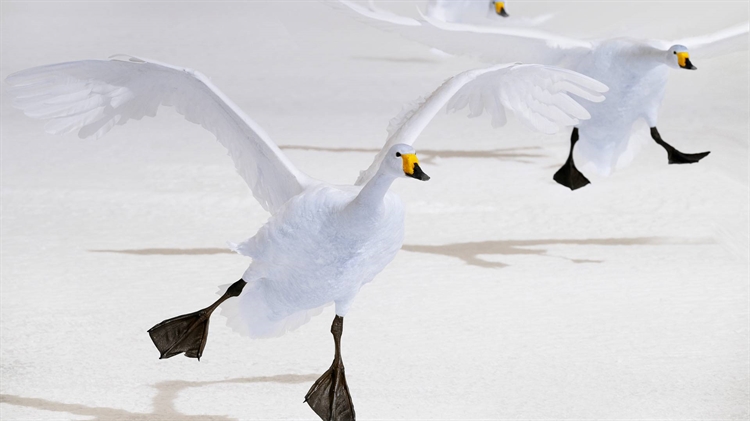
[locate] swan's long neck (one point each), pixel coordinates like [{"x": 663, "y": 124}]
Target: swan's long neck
[
  {"x": 655, "y": 56},
  {"x": 372, "y": 194}
]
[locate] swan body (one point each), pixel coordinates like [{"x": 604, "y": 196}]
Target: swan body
[
  {"x": 636, "y": 75},
  {"x": 479, "y": 12},
  {"x": 460, "y": 10},
  {"x": 321, "y": 246}
]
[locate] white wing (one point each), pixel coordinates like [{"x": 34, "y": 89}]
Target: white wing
[
  {"x": 374, "y": 12},
  {"x": 92, "y": 96},
  {"x": 492, "y": 44},
  {"x": 726, "y": 41},
  {"x": 538, "y": 95}
]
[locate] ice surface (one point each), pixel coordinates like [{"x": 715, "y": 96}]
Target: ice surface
[{"x": 512, "y": 299}]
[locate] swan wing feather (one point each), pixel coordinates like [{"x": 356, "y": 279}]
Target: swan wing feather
[
  {"x": 92, "y": 96},
  {"x": 722, "y": 42},
  {"x": 726, "y": 41},
  {"x": 538, "y": 95}
]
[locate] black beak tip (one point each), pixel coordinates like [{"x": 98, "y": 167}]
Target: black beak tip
[
  {"x": 503, "y": 13},
  {"x": 418, "y": 174},
  {"x": 689, "y": 65}
]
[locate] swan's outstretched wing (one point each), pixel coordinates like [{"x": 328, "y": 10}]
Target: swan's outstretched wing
[
  {"x": 92, "y": 96},
  {"x": 538, "y": 95},
  {"x": 725, "y": 41},
  {"x": 372, "y": 11},
  {"x": 492, "y": 44}
]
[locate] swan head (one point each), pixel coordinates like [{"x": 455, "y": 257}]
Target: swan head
[
  {"x": 401, "y": 161},
  {"x": 679, "y": 58},
  {"x": 499, "y": 8}
]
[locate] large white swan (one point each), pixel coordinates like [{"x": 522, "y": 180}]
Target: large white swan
[
  {"x": 636, "y": 72},
  {"x": 322, "y": 241}
]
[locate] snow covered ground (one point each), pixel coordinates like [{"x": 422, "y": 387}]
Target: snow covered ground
[{"x": 512, "y": 299}]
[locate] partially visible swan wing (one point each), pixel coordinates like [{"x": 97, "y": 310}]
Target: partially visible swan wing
[
  {"x": 538, "y": 95},
  {"x": 726, "y": 41},
  {"x": 492, "y": 44},
  {"x": 92, "y": 96}
]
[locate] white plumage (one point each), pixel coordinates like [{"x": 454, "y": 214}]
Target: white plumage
[
  {"x": 322, "y": 242},
  {"x": 478, "y": 12},
  {"x": 93, "y": 96},
  {"x": 635, "y": 71},
  {"x": 458, "y": 11}
]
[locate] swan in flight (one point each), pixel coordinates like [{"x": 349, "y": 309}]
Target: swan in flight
[
  {"x": 323, "y": 242},
  {"x": 464, "y": 10},
  {"x": 487, "y": 12},
  {"x": 636, "y": 72}
]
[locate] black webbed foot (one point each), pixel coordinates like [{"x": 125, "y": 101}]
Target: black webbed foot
[
  {"x": 673, "y": 155},
  {"x": 329, "y": 396},
  {"x": 677, "y": 157},
  {"x": 568, "y": 175},
  {"x": 188, "y": 333}
]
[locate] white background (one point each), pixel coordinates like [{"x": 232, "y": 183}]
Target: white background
[{"x": 513, "y": 298}]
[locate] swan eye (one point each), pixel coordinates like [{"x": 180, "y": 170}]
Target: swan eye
[
  {"x": 674, "y": 52},
  {"x": 398, "y": 154}
]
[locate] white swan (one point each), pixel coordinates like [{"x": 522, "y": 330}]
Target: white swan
[
  {"x": 487, "y": 12},
  {"x": 322, "y": 242},
  {"x": 465, "y": 10},
  {"x": 636, "y": 72}
]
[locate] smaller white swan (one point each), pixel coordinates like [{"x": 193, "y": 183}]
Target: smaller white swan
[
  {"x": 465, "y": 10},
  {"x": 636, "y": 71},
  {"x": 323, "y": 242},
  {"x": 487, "y": 12}
]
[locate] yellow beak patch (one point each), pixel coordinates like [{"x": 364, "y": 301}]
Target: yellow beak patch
[
  {"x": 681, "y": 57},
  {"x": 499, "y": 5},
  {"x": 409, "y": 160}
]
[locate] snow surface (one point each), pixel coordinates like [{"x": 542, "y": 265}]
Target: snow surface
[{"x": 512, "y": 299}]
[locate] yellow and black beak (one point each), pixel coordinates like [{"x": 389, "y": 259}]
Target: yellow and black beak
[
  {"x": 411, "y": 167},
  {"x": 500, "y": 9},
  {"x": 683, "y": 59}
]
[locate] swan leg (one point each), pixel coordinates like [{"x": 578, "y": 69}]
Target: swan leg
[
  {"x": 329, "y": 396},
  {"x": 188, "y": 333},
  {"x": 568, "y": 175},
  {"x": 675, "y": 156}
]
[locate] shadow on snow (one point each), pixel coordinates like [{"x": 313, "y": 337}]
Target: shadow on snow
[
  {"x": 163, "y": 402},
  {"x": 469, "y": 252}
]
